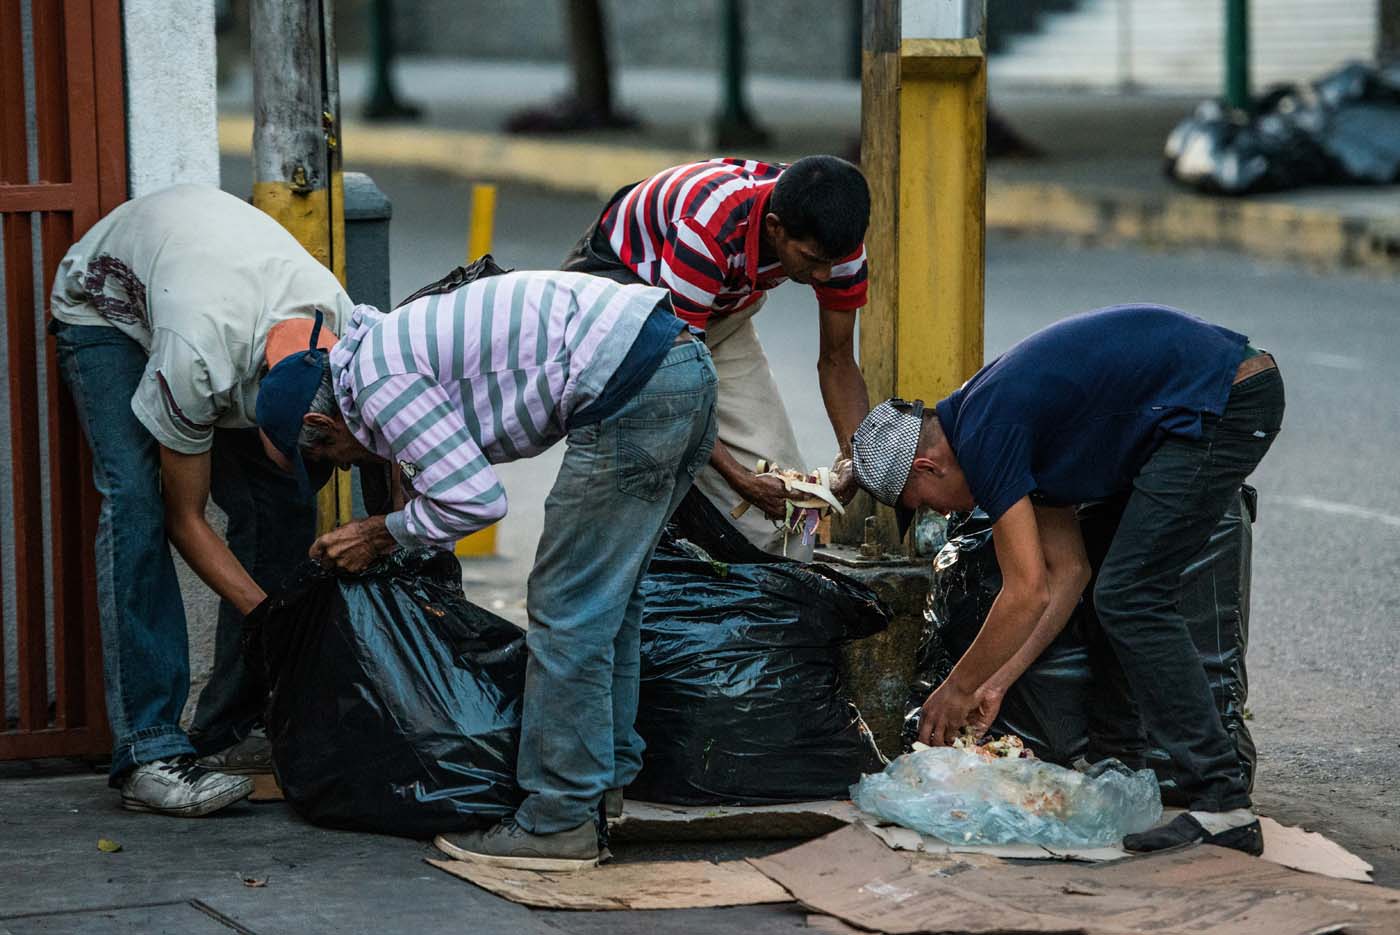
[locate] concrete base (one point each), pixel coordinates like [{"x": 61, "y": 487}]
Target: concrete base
[{"x": 879, "y": 670}]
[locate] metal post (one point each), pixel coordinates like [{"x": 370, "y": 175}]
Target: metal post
[
  {"x": 923, "y": 135},
  {"x": 1388, "y": 32},
  {"x": 296, "y": 149},
  {"x": 1237, "y": 53},
  {"x": 734, "y": 125},
  {"x": 384, "y": 102}
]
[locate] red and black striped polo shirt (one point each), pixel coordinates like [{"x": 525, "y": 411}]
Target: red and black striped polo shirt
[{"x": 694, "y": 229}]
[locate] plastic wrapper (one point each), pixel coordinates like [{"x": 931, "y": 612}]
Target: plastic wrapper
[
  {"x": 741, "y": 697},
  {"x": 1074, "y": 700},
  {"x": 395, "y": 702},
  {"x": 961, "y": 797}
]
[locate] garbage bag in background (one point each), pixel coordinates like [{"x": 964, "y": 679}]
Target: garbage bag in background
[
  {"x": 1343, "y": 128},
  {"x": 963, "y": 798},
  {"x": 395, "y": 703},
  {"x": 742, "y": 700},
  {"x": 1074, "y": 700}
]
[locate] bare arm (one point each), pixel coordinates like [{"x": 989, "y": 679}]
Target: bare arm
[
  {"x": 1068, "y": 570},
  {"x": 766, "y": 493},
  {"x": 1024, "y": 598},
  {"x": 185, "y": 483},
  {"x": 842, "y": 384}
]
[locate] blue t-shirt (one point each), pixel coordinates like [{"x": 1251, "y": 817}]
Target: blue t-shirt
[{"x": 1074, "y": 411}]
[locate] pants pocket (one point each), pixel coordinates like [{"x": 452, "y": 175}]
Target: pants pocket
[{"x": 649, "y": 453}]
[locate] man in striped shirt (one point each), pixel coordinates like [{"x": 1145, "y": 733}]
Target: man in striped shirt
[
  {"x": 501, "y": 368},
  {"x": 719, "y": 235}
]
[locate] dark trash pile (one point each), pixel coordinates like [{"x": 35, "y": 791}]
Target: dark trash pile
[
  {"x": 1341, "y": 129},
  {"x": 395, "y": 702}
]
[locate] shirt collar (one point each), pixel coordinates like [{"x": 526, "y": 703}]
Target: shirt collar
[{"x": 753, "y": 236}]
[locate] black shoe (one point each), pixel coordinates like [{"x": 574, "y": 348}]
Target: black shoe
[{"x": 1184, "y": 830}]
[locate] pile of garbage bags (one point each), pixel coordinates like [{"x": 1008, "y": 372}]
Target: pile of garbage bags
[
  {"x": 742, "y": 700},
  {"x": 1074, "y": 701},
  {"x": 962, "y": 797},
  {"x": 395, "y": 702},
  {"x": 1344, "y": 128}
]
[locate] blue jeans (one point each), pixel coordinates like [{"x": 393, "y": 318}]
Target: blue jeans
[
  {"x": 620, "y": 481},
  {"x": 145, "y": 651}
]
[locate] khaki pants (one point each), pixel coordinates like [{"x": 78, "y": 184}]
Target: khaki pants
[{"x": 753, "y": 424}]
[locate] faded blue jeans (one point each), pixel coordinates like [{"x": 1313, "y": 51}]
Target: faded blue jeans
[
  {"x": 620, "y": 481},
  {"x": 145, "y": 651}
]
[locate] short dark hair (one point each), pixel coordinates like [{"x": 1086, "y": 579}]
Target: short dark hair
[{"x": 824, "y": 199}]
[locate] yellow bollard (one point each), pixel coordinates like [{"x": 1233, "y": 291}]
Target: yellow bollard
[{"x": 482, "y": 543}]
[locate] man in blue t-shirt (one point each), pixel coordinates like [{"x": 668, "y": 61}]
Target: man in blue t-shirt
[{"x": 1141, "y": 400}]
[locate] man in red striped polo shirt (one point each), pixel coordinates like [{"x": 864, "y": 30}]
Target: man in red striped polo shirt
[{"x": 719, "y": 235}]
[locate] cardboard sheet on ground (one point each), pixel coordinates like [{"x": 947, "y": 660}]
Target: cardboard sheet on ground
[
  {"x": 853, "y": 876},
  {"x": 648, "y": 822},
  {"x": 688, "y": 884}
]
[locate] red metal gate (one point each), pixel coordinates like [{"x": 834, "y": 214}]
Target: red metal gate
[{"x": 62, "y": 166}]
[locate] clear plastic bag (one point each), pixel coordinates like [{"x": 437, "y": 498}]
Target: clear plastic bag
[{"x": 962, "y": 797}]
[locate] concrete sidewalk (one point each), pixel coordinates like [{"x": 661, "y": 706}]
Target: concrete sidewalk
[{"x": 1099, "y": 180}]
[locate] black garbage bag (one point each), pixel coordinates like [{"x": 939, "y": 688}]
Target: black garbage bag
[
  {"x": 1342, "y": 128},
  {"x": 1074, "y": 700},
  {"x": 395, "y": 702},
  {"x": 1047, "y": 707},
  {"x": 741, "y": 699}
]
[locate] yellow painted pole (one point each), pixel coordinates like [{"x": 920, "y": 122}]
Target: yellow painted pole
[
  {"x": 923, "y": 133},
  {"x": 296, "y": 154},
  {"x": 482, "y": 543}
]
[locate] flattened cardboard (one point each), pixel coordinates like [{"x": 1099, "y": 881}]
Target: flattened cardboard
[
  {"x": 690, "y": 884},
  {"x": 851, "y": 875},
  {"x": 266, "y": 789},
  {"x": 1312, "y": 853}
]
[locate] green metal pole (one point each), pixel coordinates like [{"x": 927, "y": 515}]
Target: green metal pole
[
  {"x": 735, "y": 126},
  {"x": 384, "y": 102},
  {"x": 1237, "y": 53}
]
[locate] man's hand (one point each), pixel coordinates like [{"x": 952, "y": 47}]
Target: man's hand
[
  {"x": 843, "y": 480},
  {"x": 989, "y": 700},
  {"x": 766, "y": 493},
  {"x": 354, "y": 547},
  {"x": 946, "y": 712}
]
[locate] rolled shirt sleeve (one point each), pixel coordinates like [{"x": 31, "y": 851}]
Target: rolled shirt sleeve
[
  {"x": 176, "y": 400},
  {"x": 455, "y": 490},
  {"x": 845, "y": 290}
]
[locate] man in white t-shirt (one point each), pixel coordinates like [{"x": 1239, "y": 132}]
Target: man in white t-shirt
[{"x": 162, "y": 314}]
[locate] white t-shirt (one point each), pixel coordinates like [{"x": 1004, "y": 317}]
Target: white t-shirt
[{"x": 196, "y": 277}]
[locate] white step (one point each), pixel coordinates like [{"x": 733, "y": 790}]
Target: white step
[{"x": 1178, "y": 44}]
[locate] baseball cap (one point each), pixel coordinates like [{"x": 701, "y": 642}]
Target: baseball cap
[
  {"x": 296, "y": 354},
  {"x": 883, "y": 450}
]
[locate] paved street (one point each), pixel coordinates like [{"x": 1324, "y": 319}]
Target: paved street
[{"x": 1323, "y": 658}]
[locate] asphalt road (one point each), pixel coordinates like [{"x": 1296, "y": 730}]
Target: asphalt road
[{"x": 1324, "y": 641}]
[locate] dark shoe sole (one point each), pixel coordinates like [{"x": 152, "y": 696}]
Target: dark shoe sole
[{"x": 194, "y": 809}]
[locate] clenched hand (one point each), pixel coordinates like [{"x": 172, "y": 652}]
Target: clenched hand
[{"x": 353, "y": 547}]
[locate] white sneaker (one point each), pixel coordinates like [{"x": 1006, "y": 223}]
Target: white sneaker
[
  {"x": 252, "y": 754},
  {"x": 181, "y": 787}
]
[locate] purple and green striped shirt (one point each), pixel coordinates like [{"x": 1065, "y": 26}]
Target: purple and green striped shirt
[{"x": 451, "y": 384}]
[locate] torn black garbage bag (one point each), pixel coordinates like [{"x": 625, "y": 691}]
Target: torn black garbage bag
[
  {"x": 1074, "y": 700},
  {"x": 395, "y": 702},
  {"x": 741, "y": 698}
]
